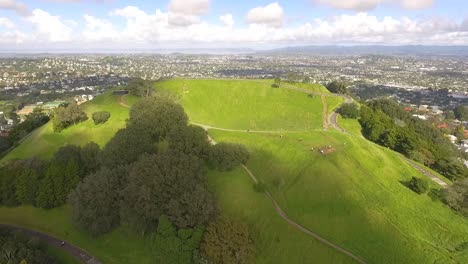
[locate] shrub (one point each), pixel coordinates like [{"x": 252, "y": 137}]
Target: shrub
[
  {"x": 418, "y": 185},
  {"x": 101, "y": 117},
  {"x": 67, "y": 116},
  {"x": 349, "y": 111}
]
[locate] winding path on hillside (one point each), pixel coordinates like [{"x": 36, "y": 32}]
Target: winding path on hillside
[
  {"x": 283, "y": 214},
  {"x": 75, "y": 251}
]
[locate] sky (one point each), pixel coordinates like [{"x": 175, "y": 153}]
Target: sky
[{"x": 256, "y": 24}]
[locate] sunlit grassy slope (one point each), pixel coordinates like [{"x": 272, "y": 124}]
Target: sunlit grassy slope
[
  {"x": 43, "y": 142},
  {"x": 246, "y": 104}
]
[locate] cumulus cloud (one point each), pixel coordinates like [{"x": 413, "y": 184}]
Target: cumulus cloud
[
  {"x": 416, "y": 4},
  {"x": 49, "y": 28},
  {"x": 366, "y": 5},
  {"x": 150, "y": 29},
  {"x": 227, "y": 20},
  {"x": 20, "y": 8},
  {"x": 189, "y": 7},
  {"x": 270, "y": 15},
  {"x": 6, "y": 23}
]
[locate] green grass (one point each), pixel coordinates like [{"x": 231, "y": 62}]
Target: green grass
[
  {"x": 119, "y": 246},
  {"x": 246, "y": 104},
  {"x": 43, "y": 142},
  {"x": 62, "y": 256},
  {"x": 350, "y": 125},
  {"x": 333, "y": 103}
]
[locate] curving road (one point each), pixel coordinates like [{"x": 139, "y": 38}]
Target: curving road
[{"x": 79, "y": 253}]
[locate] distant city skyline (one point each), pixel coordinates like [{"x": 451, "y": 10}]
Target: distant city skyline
[{"x": 51, "y": 25}]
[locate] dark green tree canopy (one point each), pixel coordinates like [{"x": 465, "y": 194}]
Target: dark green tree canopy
[
  {"x": 350, "y": 110},
  {"x": 64, "y": 117},
  {"x": 101, "y": 117},
  {"x": 157, "y": 115},
  {"x": 337, "y": 87},
  {"x": 227, "y": 156}
]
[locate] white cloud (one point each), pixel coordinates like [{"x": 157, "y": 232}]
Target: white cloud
[
  {"x": 416, "y": 4},
  {"x": 227, "y": 20},
  {"x": 6, "y": 23},
  {"x": 20, "y": 8},
  {"x": 366, "y": 5},
  {"x": 49, "y": 27},
  {"x": 190, "y": 7},
  {"x": 98, "y": 29},
  {"x": 271, "y": 15},
  {"x": 155, "y": 29}
]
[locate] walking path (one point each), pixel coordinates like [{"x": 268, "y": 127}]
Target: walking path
[
  {"x": 79, "y": 253},
  {"x": 283, "y": 214}
]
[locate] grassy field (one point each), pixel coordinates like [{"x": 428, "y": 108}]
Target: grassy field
[
  {"x": 43, "y": 142},
  {"x": 246, "y": 104},
  {"x": 333, "y": 103},
  {"x": 354, "y": 196}
]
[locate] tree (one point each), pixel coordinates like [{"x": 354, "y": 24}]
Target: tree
[
  {"x": 461, "y": 112},
  {"x": 101, "y": 117},
  {"x": 89, "y": 154},
  {"x": 276, "y": 82},
  {"x": 337, "y": 87},
  {"x": 8, "y": 188},
  {"x": 169, "y": 183},
  {"x": 140, "y": 87},
  {"x": 456, "y": 196},
  {"x": 95, "y": 201},
  {"x": 27, "y": 186},
  {"x": 418, "y": 185},
  {"x": 451, "y": 168},
  {"x": 126, "y": 146},
  {"x": 158, "y": 115},
  {"x": 226, "y": 156},
  {"x": 449, "y": 114},
  {"x": 350, "y": 110},
  {"x": 190, "y": 140},
  {"x": 64, "y": 117},
  {"x": 228, "y": 241},
  {"x": 176, "y": 246}
]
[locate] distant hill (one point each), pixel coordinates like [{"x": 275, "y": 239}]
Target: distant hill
[{"x": 372, "y": 50}]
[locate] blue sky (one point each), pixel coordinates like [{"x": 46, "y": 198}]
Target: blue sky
[{"x": 197, "y": 23}]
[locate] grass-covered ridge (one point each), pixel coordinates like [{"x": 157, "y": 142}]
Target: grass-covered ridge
[{"x": 246, "y": 104}]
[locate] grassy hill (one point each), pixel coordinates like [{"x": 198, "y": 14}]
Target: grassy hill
[
  {"x": 352, "y": 196},
  {"x": 244, "y": 104},
  {"x": 43, "y": 142}
]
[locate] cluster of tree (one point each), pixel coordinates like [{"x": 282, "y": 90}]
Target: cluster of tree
[
  {"x": 386, "y": 123},
  {"x": 64, "y": 117},
  {"x": 337, "y": 87},
  {"x": 350, "y": 110},
  {"x": 456, "y": 197},
  {"x": 461, "y": 112},
  {"x": 276, "y": 82},
  {"x": 32, "y": 121},
  {"x": 16, "y": 249},
  {"x": 228, "y": 241},
  {"x": 154, "y": 167},
  {"x": 101, "y": 117},
  {"x": 139, "y": 87},
  {"x": 46, "y": 184}
]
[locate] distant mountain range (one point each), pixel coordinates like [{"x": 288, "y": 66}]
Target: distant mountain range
[{"x": 372, "y": 50}]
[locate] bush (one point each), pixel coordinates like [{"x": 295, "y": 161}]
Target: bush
[
  {"x": 101, "y": 117},
  {"x": 418, "y": 185},
  {"x": 349, "y": 111}
]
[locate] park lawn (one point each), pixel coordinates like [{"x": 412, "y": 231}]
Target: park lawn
[
  {"x": 119, "y": 246},
  {"x": 313, "y": 87},
  {"x": 275, "y": 240},
  {"x": 246, "y": 104},
  {"x": 44, "y": 142},
  {"x": 355, "y": 196}
]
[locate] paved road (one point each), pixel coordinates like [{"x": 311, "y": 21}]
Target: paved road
[{"x": 80, "y": 254}]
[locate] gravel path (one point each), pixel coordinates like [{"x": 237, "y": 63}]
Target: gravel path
[{"x": 79, "y": 253}]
